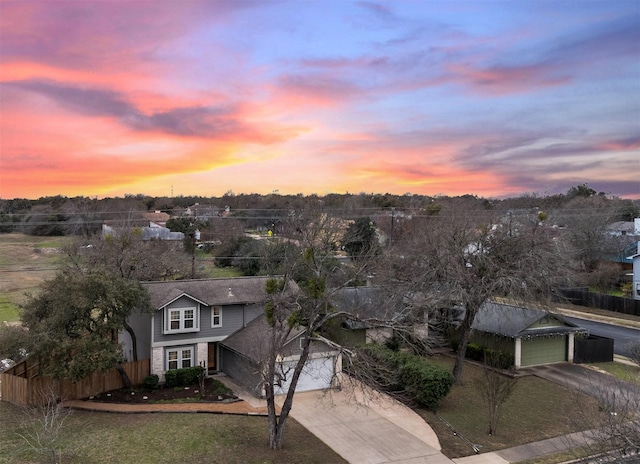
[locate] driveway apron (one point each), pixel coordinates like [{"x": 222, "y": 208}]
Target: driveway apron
[
  {"x": 585, "y": 380},
  {"x": 367, "y": 433}
]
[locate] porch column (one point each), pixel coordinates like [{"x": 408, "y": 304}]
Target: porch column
[
  {"x": 518, "y": 353},
  {"x": 157, "y": 362},
  {"x": 202, "y": 354},
  {"x": 570, "y": 347}
]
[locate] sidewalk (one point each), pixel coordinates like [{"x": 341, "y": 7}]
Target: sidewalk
[
  {"x": 529, "y": 451},
  {"x": 609, "y": 319}
]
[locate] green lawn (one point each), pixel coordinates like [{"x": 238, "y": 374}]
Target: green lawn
[
  {"x": 8, "y": 309},
  {"x": 622, "y": 371},
  {"x": 167, "y": 438},
  {"x": 537, "y": 410},
  {"x": 25, "y": 262}
]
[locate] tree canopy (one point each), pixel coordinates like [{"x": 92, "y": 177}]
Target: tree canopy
[{"x": 74, "y": 321}]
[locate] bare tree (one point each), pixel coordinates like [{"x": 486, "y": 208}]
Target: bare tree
[
  {"x": 614, "y": 433},
  {"x": 495, "y": 387},
  {"x": 465, "y": 258},
  {"x": 124, "y": 253},
  {"x": 586, "y": 220},
  {"x": 41, "y": 424}
]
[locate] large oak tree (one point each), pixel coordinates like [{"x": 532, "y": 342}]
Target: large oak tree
[{"x": 73, "y": 322}]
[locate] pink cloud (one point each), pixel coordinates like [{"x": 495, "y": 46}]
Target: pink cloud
[{"x": 504, "y": 80}]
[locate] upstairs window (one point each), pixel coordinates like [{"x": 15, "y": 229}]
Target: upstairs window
[
  {"x": 216, "y": 316},
  {"x": 181, "y": 320}
]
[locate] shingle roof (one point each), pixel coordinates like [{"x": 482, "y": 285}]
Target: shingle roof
[
  {"x": 366, "y": 303},
  {"x": 251, "y": 341},
  {"x": 236, "y": 290},
  {"x": 515, "y": 322}
]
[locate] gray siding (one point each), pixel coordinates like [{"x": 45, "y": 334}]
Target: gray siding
[
  {"x": 293, "y": 347},
  {"x": 141, "y": 325},
  {"x": 233, "y": 318},
  {"x": 242, "y": 371}
]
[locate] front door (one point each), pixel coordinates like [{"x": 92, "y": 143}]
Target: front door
[{"x": 212, "y": 365}]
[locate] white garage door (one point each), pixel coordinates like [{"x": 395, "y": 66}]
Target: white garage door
[{"x": 317, "y": 374}]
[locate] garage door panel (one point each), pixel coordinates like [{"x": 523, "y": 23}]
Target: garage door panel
[
  {"x": 317, "y": 374},
  {"x": 537, "y": 351}
]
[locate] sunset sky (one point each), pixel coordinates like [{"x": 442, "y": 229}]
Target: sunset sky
[{"x": 104, "y": 98}]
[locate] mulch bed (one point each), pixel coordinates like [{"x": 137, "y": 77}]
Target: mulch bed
[{"x": 141, "y": 395}]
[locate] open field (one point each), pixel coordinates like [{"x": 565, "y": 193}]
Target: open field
[
  {"x": 166, "y": 438},
  {"x": 25, "y": 262},
  {"x": 537, "y": 410}
]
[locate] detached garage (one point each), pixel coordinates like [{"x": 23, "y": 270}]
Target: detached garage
[
  {"x": 535, "y": 337},
  {"x": 242, "y": 354}
]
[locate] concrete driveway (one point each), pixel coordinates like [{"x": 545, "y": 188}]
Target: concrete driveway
[
  {"x": 363, "y": 427},
  {"x": 585, "y": 380}
]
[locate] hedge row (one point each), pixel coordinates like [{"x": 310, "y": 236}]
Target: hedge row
[
  {"x": 424, "y": 382},
  {"x": 493, "y": 358},
  {"x": 182, "y": 377}
]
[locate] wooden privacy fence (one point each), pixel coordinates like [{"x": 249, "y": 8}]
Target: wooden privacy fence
[
  {"x": 22, "y": 384},
  {"x": 583, "y": 297}
]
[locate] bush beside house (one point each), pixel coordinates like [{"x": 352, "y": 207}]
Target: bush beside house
[{"x": 395, "y": 372}]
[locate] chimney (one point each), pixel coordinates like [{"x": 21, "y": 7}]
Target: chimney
[{"x": 230, "y": 293}]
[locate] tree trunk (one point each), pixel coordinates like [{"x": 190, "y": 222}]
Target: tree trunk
[
  {"x": 469, "y": 316},
  {"x": 277, "y": 424},
  {"x": 125, "y": 378},
  {"x": 134, "y": 341}
]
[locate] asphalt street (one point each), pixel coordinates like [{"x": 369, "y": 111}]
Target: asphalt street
[{"x": 622, "y": 336}]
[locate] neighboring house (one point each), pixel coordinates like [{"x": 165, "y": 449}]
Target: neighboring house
[
  {"x": 150, "y": 225},
  {"x": 373, "y": 313},
  {"x": 625, "y": 228},
  {"x": 204, "y": 213},
  {"x": 146, "y": 232},
  {"x": 636, "y": 272},
  {"x": 157, "y": 218},
  {"x": 189, "y": 320},
  {"x": 535, "y": 337},
  {"x": 244, "y": 352},
  {"x": 370, "y": 316}
]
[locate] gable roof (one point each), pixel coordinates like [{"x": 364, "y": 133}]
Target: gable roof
[
  {"x": 251, "y": 341},
  {"x": 516, "y": 322},
  {"x": 368, "y": 302},
  {"x": 224, "y": 291}
]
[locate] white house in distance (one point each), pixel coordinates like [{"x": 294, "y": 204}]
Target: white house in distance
[{"x": 636, "y": 272}]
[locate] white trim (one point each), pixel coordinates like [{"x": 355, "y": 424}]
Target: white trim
[
  {"x": 213, "y": 316},
  {"x": 517, "y": 361},
  {"x": 570, "y": 347},
  {"x": 295, "y": 357},
  {"x": 181, "y": 312},
  {"x": 189, "y": 340},
  {"x": 180, "y": 296},
  {"x": 179, "y": 360}
]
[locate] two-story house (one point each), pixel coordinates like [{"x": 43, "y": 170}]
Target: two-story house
[{"x": 190, "y": 319}]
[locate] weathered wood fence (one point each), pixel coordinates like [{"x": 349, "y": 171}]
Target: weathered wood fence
[
  {"x": 22, "y": 384},
  {"x": 582, "y": 297}
]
